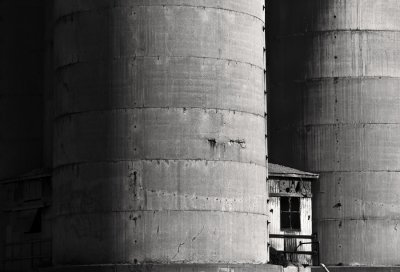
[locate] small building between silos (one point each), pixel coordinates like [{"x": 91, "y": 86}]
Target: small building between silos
[{"x": 290, "y": 211}]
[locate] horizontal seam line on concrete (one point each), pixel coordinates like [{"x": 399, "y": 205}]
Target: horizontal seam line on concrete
[
  {"x": 153, "y": 263},
  {"x": 62, "y": 17},
  {"x": 65, "y": 165},
  {"x": 359, "y": 171},
  {"x": 65, "y": 115},
  {"x": 352, "y": 124},
  {"x": 61, "y": 67},
  {"x": 305, "y": 126},
  {"x": 315, "y": 33},
  {"x": 216, "y": 8},
  {"x": 333, "y": 78},
  {"x": 164, "y": 210},
  {"x": 344, "y": 77},
  {"x": 16, "y": 139},
  {"x": 21, "y": 95},
  {"x": 359, "y": 219}
]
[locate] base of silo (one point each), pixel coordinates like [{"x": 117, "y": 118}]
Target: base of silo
[
  {"x": 167, "y": 268},
  {"x": 357, "y": 269}
]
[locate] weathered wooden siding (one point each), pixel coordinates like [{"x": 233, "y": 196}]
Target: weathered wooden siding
[
  {"x": 306, "y": 229},
  {"x": 275, "y": 228},
  {"x": 275, "y": 219},
  {"x": 26, "y": 220}
]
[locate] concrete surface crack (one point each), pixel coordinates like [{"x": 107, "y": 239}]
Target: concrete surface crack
[
  {"x": 179, "y": 246},
  {"x": 197, "y": 235}
]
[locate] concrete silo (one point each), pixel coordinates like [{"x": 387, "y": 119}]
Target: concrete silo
[
  {"x": 159, "y": 133},
  {"x": 336, "y": 111}
]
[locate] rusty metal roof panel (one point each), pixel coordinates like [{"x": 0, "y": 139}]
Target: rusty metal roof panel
[{"x": 276, "y": 170}]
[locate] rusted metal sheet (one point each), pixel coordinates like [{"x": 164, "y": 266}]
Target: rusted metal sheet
[
  {"x": 160, "y": 132},
  {"x": 289, "y": 187},
  {"x": 336, "y": 105}
]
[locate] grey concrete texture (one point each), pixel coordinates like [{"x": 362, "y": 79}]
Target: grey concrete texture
[
  {"x": 294, "y": 17},
  {"x": 359, "y": 241},
  {"x": 253, "y": 9},
  {"x": 338, "y": 54},
  {"x": 360, "y": 196},
  {"x": 358, "y": 269},
  {"x": 153, "y": 184},
  {"x": 160, "y": 237},
  {"x": 172, "y": 31},
  {"x": 335, "y": 109},
  {"x": 21, "y": 86},
  {"x": 159, "y": 143},
  {"x": 178, "y": 82},
  {"x": 131, "y": 134},
  {"x": 170, "y": 268}
]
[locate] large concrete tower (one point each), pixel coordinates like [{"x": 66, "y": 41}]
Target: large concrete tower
[
  {"x": 160, "y": 133},
  {"x": 336, "y": 111}
]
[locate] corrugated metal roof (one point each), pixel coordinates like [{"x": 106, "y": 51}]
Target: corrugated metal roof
[{"x": 276, "y": 170}]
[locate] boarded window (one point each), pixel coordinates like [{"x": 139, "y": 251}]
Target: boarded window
[{"x": 290, "y": 213}]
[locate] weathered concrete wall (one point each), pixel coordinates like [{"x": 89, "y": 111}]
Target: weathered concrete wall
[
  {"x": 357, "y": 269},
  {"x": 335, "y": 111},
  {"x": 160, "y": 132},
  {"x": 171, "y": 268}
]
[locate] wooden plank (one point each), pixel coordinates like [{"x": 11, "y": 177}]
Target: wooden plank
[{"x": 282, "y": 236}]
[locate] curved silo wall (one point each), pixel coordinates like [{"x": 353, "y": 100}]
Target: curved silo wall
[
  {"x": 159, "y": 132},
  {"x": 336, "y": 111}
]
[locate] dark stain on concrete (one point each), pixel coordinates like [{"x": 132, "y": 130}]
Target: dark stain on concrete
[{"x": 337, "y": 205}]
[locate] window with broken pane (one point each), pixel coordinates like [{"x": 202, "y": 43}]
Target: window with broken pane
[{"x": 290, "y": 213}]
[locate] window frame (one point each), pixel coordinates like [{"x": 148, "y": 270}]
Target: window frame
[{"x": 291, "y": 213}]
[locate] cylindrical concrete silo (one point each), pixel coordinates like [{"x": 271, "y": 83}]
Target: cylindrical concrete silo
[
  {"x": 336, "y": 111},
  {"x": 159, "y": 132}
]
